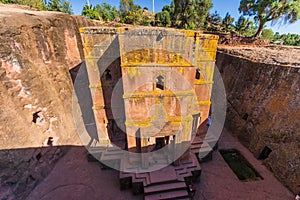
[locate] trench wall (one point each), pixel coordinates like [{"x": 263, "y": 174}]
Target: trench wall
[{"x": 263, "y": 109}]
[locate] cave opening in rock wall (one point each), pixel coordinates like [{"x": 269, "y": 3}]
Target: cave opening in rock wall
[{"x": 264, "y": 153}]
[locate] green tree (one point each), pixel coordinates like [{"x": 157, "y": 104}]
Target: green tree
[
  {"x": 147, "y": 18},
  {"x": 202, "y": 9},
  {"x": 215, "y": 18},
  {"x": 191, "y": 13},
  {"x": 245, "y": 27},
  {"x": 171, "y": 10},
  {"x": 131, "y": 13},
  {"x": 267, "y": 34},
  {"x": 214, "y": 22},
  {"x": 270, "y": 10},
  {"x": 127, "y": 6},
  {"x": 90, "y": 12},
  {"x": 38, "y": 4},
  {"x": 67, "y": 7},
  {"x": 54, "y": 5},
  {"x": 60, "y": 6},
  {"x": 288, "y": 39},
  {"x": 227, "y": 23},
  {"x": 7, "y": 1},
  {"x": 107, "y": 12},
  {"x": 163, "y": 18},
  {"x": 134, "y": 17}
]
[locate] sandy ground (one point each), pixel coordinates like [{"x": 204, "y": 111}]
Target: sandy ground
[
  {"x": 277, "y": 55},
  {"x": 75, "y": 178},
  {"x": 220, "y": 183}
]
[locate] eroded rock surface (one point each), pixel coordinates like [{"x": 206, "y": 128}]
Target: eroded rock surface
[
  {"x": 37, "y": 49},
  {"x": 263, "y": 104}
]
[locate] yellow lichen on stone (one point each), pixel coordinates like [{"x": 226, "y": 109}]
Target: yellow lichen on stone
[
  {"x": 104, "y": 141},
  {"x": 96, "y": 86},
  {"x": 159, "y": 93},
  {"x": 204, "y": 103},
  {"x": 131, "y": 72},
  {"x": 202, "y": 82},
  {"x": 97, "y": 107},
  {"x": 181, "y": 70}
]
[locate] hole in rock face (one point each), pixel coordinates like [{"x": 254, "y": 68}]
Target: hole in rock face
[
  {"x": 160, "y": 37},
  {"x": 198, "y": 73},
  {"x": 31, "y": 178},
  {"x": 245, "y": 116},
  {"x": 38, "y": 156},
  {"x": 35, "y": 116},
  {"x": 160, "y": 82},
  {"x": 108, "y": 76},
  {"x": 265, "y": 153},
  {"x": 74, "y": 71},
  {"x": 50, "y": 141}
]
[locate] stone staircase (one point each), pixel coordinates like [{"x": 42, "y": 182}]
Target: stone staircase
[
  {"x": 189, "y": 170},
  {"x": 167, "y": 190},
  {"x": 167, "y": 183},
  {"x": 211, "y": 140},
  {"x": 160, "y": 184},
  {"x": 203, "y": 147}
]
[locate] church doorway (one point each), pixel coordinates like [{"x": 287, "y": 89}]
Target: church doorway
[{"x": 159, "y": 143}]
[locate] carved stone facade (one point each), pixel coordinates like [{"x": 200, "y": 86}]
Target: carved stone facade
[{"x": 151, "y": 84}]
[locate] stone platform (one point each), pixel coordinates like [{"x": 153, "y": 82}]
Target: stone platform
[{"x": 169, "y": 182}]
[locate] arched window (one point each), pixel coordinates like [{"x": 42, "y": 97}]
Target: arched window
[
  {"x": 108, "y": 75},
  {"x": 160, "y": 82},
  {"x": 198, "y": 73}
]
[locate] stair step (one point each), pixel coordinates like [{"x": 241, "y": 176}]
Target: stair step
[
  {"x": 164, "y": 187},
  {"x": 202, "y": 150},
  {"x": 193, "y": 147},
  {"x": 195, "y": 151},
  {"x": 184, "y": 173},
  {"x": 97, "y": 149},
  {"x": 114, "y": 153},
  {"x": 205, "y": 147},
  {"x": 186, "y": 162},
  {"x": 181, "y": 176},
  {"x": 124, "y": 174},
  {"x": 114, "y": 149},
  {"x": 111, "y": 156},
  {"x": 197, "y": 140},
  {"x": 167, "y": 174},
  {"x": 209, "y": 137},
  {"x": 179, "y": 168},
  {"x": 139, "y": 180},
  {"x": 167, "y": 195},
  {"x": 144, "y": 176}
]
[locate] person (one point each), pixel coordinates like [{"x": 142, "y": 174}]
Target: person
[
  {"x": 208, "y": 124},
  {"x": 192, "y": 190}
]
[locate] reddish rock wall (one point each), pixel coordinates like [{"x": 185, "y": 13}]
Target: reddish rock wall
[
  {"x": 264, "y": 110},
  {"x": 37, "y": 49}
]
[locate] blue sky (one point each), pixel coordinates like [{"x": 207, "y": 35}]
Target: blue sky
[{"x": 221, "y": 6}]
